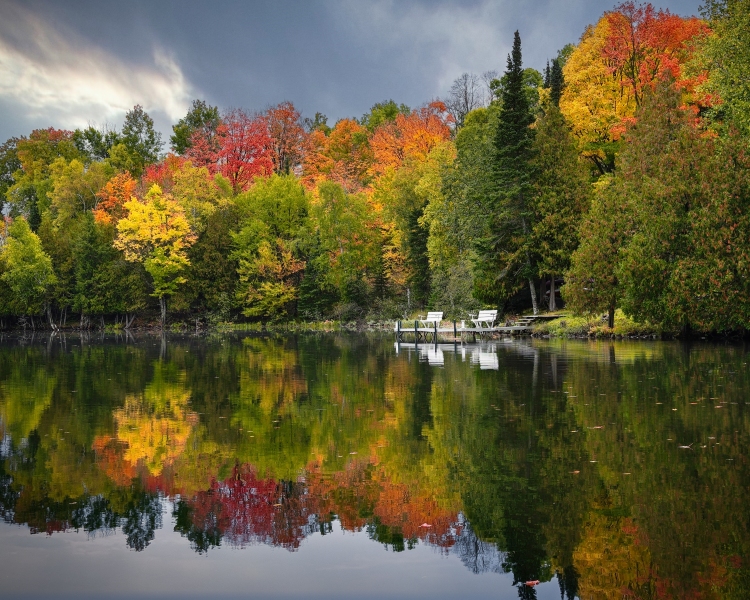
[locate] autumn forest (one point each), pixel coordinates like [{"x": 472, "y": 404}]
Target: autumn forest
[{"x": 616, "y": 177}]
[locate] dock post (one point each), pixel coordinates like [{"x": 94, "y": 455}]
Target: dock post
[
  {"x": 398, "y": 330},
  {"x": 454, "y": 330},
  {"x": 436, "y": 325},
  {"x": 416, "y": 333}
]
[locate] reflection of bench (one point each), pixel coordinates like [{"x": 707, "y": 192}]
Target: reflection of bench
[
  {"x": 432, "y": 319},
  {"x": 485, "y": 319}
]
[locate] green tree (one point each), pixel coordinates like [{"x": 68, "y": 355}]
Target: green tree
[
  {"x": 75, "y": 187},
  {"x": 9, "y": 165},
  {"x": 57, "y": 242},
  {"x": 29, "y": 194},
  {"x": 556, "y": 82},
  {"x": 591, "y": 283},
  {"x": 342, "y": 222},
  {"x": 317, "y": 293},
  {"x": 712, "y": 280},
  {"x": 140, "y": 139},
  {"x": 273, "y": 216},
  {"x": 28, "y": 269},
  {"x": 561, "y": 195},
  {"x": 659, "y": 172},
  {"x": 504, "y": 254},
  {"x": 468, "y": 183},
  {"x": 382, "y": 112},
  {"x": 201, "y": 118},
  {"x": 725, "y": 53},
  {"x": 104, "y": 282},
  {"x": 95, "y": 144}
]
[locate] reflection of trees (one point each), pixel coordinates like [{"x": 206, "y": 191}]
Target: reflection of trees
[
  {"x": 343, "y": 429},
  {"x": 245, "y": 510},
  {"x": 676, "y": 513},
  {"x": 142, "y": 517},
  {"x": 155, "y": 427},
  {"x": 8, "y": 495},
  {"x": 95, "y": 515},
  {"x": 568, "y": 581},
  {"x": 477, "y": 555},
  {"x": 26, "y": 388}
]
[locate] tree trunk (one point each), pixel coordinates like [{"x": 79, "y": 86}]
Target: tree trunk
[
  {"x": 611, "y": 316},
  {"x": 542, "y": 287},
  {"x": 552, "y": 302},
  {"x": 532, "y": 287},
  {"x": 528, "y": 264},
  {"x": 163, "y": 306}
]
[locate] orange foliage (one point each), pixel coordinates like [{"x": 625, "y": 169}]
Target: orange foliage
[
  {"x": 287, "y": 135},
  {"x": 645, "y": 45},
  {"x": 409, "y": 136},
  {"x": 109, "y": 456},
  {"x": 116, "y": 192},
  {"x": 365, "y": 488},
  {"x": 342, "y": 156}
]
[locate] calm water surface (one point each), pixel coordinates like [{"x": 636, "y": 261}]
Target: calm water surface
[{"x": 347, "y": 466}]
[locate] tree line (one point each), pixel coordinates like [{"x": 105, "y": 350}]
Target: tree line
[{"x": 615, "y": 178}]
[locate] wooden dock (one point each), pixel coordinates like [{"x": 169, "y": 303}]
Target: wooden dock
[{"x": 457, "y": 330}]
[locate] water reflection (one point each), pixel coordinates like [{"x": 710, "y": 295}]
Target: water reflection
[{"x": 613, "y": 469}]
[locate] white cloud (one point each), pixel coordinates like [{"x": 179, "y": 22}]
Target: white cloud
[{"x": 57, "y": 76}]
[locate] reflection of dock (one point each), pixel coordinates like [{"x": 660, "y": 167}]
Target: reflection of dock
[{"x": 485, "y": 355}]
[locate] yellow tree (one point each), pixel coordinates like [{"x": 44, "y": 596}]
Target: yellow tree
[
  {"x": 157, "y": 234},
  {"x": 196, "y": 191},
  {"x": 628, "y": 52},
  {"x": 594, "y": 101}
]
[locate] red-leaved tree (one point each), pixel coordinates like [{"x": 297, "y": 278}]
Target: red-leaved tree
[
  {"x": 645, "y": 45},
  {"x": 287, "y": 135},
  {"x": 246, "y": 149}
]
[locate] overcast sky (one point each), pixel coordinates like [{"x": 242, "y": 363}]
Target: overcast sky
[{"x": 70, "y": 63}]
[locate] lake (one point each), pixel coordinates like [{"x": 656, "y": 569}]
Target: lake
[{"x": 343, "y": 466}]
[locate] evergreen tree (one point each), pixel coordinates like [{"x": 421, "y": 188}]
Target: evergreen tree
[
  {"x": 561, "y": 196},
  {"x": 9, "y": 164},
  {"x": 504, "y": 253},
  {"x": 556, "y": 82}
]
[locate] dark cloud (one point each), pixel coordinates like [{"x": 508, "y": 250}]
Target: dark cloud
[{"x": 69, "y": 63}]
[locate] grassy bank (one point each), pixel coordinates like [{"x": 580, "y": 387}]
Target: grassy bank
[{"x": 570, "y": 326}]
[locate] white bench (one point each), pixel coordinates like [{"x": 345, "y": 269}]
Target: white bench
[
  {"x": 485, "y": 319},
  {"x": 432, "y": 319}
]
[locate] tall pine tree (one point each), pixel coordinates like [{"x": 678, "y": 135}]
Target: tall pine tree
[
  {"x": 556, "y": 82},
  {"x": 504, "y": 252}
]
